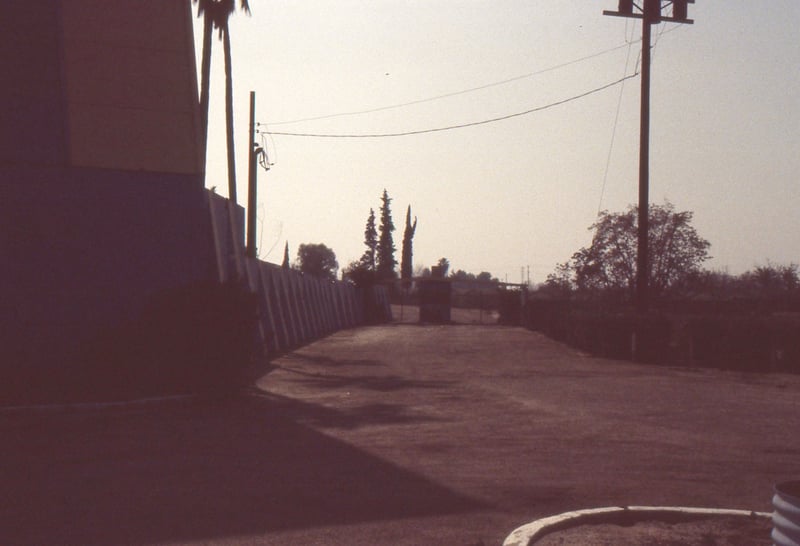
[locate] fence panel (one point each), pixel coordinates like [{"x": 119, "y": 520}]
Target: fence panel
[{"x": 293, "y": 308}]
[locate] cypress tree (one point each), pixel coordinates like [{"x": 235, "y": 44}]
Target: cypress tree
[
  {"x": 406, "y": 266},
  {"x": 385, "y": 262},
  {"x": 285, "y": 263},
  {"x": 371, "y": 242}
]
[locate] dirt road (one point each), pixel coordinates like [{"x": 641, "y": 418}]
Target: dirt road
[{"x": 401, "y": 435}]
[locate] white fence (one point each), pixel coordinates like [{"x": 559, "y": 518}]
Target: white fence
[{"x": 293, "y": 308}]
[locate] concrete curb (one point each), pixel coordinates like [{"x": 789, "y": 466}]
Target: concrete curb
[
  {"x": 529, "y": 533},
  {"x": 92, "y": 406}
]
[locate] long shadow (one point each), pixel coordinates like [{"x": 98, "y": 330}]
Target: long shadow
[
  {"x": 328, "y": 361},
  {"x": 383, "y": 383},
  {"x": 350, "y": 418},
  {"x": 192, "y": 472}
]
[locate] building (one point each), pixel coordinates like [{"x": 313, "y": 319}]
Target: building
[{"x": 102, "y": 202}]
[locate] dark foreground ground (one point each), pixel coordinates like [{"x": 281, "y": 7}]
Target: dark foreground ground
[{"x": 400, "y": 435}]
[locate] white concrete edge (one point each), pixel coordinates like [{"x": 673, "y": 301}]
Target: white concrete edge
[
  {"x": 527, "y": 534},
  {"x": 84, "y": 406}
]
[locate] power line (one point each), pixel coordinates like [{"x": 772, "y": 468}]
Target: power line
[
  {"x": 616, "y": 118},
  {"x": 456, "y": 93},
  {"x": 452, "y": 127}
]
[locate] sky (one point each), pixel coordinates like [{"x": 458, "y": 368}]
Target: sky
[{"x": 519, "y": 193}]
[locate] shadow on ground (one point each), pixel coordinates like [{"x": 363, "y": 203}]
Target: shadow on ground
[
  {"x": 349, "y": 380},
  {"x": 383, "y": 383},
  {"x": 197, "y": 471},
  {"x": 379, "y": 413}
]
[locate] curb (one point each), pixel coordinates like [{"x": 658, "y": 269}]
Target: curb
[{"x": 527, "y": 534}]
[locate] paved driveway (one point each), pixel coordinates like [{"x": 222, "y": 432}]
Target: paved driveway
[{"x": 401, "y": 435}]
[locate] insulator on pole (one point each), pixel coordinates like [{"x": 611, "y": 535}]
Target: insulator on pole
[
  {"x": 652, "y": 11},
  {"x": 680, "y": 10}
]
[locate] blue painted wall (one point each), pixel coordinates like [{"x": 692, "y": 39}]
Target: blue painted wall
[{"x": 84, "y": 248}]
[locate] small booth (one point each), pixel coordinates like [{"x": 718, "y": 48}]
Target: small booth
[{"x": 434, "y": 300}]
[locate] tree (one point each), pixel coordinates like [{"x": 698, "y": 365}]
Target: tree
[
  {"x": 771, "y": 281},
  {"x": 461, "y": 275},
  {"x": 441, "y": 268},
  {"x": 205, "y": 9},
  {"x": 285, "y": 263},
  {"x": 371, "y": 242},
  {"x": 406, "y": 266},
  {"x": 358, "y": 273},
  {"x": 216, "y": 14},
  {"x": 561, "y": 281},
  {"x": 385, "y": 262},
  {"x": 317, "y": 260},
  {"x": 676, "y": 251}
]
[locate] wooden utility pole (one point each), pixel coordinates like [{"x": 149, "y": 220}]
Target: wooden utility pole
[
  {"x": 642, "y": 268},
  {"x": 650, "y": 13},
  {"x": 251, "y": 181}
]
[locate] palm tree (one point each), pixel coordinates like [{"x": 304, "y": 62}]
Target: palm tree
[
  {"x": 205, "y": 10},
  {"x": 216, "y": 14}
]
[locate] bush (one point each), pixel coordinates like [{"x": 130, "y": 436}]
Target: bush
[
  {"x": 749, "y": 343},
  {"x": 685, "y": 334}
]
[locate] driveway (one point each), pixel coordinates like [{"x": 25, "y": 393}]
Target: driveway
[{"x": 401, "y": 435}]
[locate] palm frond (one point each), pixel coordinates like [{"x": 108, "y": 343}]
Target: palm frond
[
  {"x": 219, "y": 11},
  {"x": 203, "y": 6}
]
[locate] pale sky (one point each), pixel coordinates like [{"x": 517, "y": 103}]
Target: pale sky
[{"x": 725, "y": 125}]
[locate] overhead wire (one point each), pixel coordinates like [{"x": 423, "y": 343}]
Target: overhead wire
[
  {"x": 453, "y": 127},
  {"x": 662, "y": 31},
  {"x": 616, "y": 120},
  {"x": 277, "y": 240},
  {"x": 456, "y": 93}
]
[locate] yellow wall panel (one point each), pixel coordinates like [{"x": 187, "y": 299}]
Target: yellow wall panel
[
  {"x": 131, "y": 85},
  {"x": 132, "y": 139}
]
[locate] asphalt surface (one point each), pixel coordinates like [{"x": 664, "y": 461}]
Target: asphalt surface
[{"x": 401, "y": 435}]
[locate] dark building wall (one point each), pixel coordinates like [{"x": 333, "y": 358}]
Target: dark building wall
[
  {"x": 32, "y": 109},
  {"x": 102, "y": 203},
  {"x": 84, "y": 248}
]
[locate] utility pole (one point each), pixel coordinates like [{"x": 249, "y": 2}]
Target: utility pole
[
  {"x": 650, "y": 12},
  {"x": 250, "y": 250}
]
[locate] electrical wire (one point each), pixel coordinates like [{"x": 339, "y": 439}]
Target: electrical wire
[
  {"x": 456, "y": 93},
  {"x": 277, "y": 240},
  {"x": 630, "y": 42},
  {"x": 663, "y": 30},
  {"x": 616, "y": 121},
  {"x": 261, "y": 214},
  {"x": 461, "y": 126}
]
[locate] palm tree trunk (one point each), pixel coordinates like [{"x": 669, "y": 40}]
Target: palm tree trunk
[
  {"x": 205, "y": 82},
  {"x": 229, "y": 115}
]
